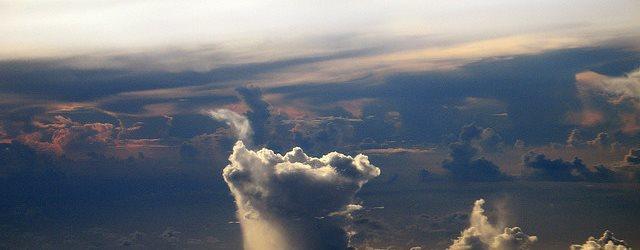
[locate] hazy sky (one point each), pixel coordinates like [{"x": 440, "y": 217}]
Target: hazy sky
[{"x": 37, "y": 28}]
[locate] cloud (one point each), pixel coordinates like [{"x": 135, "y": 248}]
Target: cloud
[
  {"x": 539, "y": 167},
  {"x": 64, "y": 136},
  {"x": 602, "y": 139},
  {"x": 239, "y": 124},
  {"x": 170, "y": 235},
  {"x": 285, "y": 201},
  {"x": 469, "y": 132},
  {"x": 462, "y": 165},
  {"x": 259, "y": 113},
  {"x": 575, "y": 138},
  {"x": 633, "y": 157},
  {"x": 482, "y": 235},
  {"x": 605, "y": 242},
  {"x": 624, "y": 86}
]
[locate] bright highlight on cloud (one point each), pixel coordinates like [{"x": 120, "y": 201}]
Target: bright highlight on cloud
[
  {"x": 605, "y": 242},
  {"x": 482, "y": 235},
  {"x": 239, "y": 123},
  {"x": 294, "y": 201},
  {"x": 624, "y": 86}
]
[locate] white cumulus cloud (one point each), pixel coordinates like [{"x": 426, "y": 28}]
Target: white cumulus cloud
[
  {"x": 293, "y": 201},
  {"x": 481, "y": 235}
]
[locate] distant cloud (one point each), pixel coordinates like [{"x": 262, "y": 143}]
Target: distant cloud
[
  {"x": 601, "y": 139},
  {"x": 258, "y": 114},
  {"x": 286, "y": 202},
  {"x": 624, "y": 86},
  {"x": 64, "y": 136},
  {"x": 464, "y": 164},
  {"x": 239, "y": 124},
  {"x": 605, "y": 242},
  {"x": 633, "y": 157},
  {"x": 539, "y": 167},
  {"x": 481, "y": 234},
  {"x": 575, "y": 138}
]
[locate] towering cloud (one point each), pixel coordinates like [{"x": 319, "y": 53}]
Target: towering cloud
[
  {"x": 259, "y": 114},
  {"x": 294, "y": 201},
  {"x": 482, "y": 235},
  {"x": 605, "y": 242},
  {"x": 237, "y": 122}
]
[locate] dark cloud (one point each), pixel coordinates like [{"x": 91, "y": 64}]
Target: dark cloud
[
  {"x": 539, "y": 167},
  {"x": 57, "y": 79},
  {"x": 464, "y": 166},
  {"x": 469, "y": 132},
  {"x": 537, "y": 91},
  {"x": 602, "y": 139},
  {"x": 575, "y": 138},
  {"x": 258, "y": 115},
  {"x": 463, "y": 163},
  {"x": 633, "y": 157}
]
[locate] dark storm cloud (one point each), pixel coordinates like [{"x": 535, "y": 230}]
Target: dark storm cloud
[
  {"x": 469, "y": 132},
  {"x": 56, "y": 79},
  {"x": 463, "y": 165},
  {"x": 259, "y": 113},
  {"x": 539, "y": 167}
]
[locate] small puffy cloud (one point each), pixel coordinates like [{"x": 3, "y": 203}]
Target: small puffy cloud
[
  {"x": 239, "y": 123},
  {"x": 481, "y": 234},
  {"x": 605, "y": 242},
  {"x": 285, "y": 201}
]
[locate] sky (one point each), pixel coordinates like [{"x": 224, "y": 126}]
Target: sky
[
  {"x": 496, "y": 125},
  {"x": 63, "y": 28}
]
